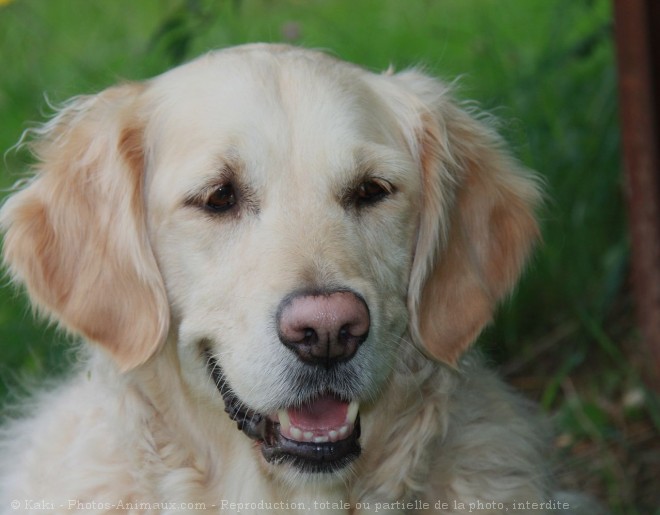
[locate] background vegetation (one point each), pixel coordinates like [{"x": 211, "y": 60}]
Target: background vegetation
[{"x": 545, "y": 67}]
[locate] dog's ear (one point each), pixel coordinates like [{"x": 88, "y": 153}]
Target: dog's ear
[
  {"x": 477, "y": 223},
  {"x": 76, "y": 233}
]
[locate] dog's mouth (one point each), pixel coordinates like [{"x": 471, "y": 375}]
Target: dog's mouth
[{"x": 320, "y": 435}]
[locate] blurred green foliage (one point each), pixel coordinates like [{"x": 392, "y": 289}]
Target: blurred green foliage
[{"x": 544, "y": 67}]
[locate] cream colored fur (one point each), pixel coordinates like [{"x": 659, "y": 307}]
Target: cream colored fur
[{"x": 108, "y": 242}]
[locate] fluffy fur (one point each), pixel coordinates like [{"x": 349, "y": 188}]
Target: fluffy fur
[{"x": 112, "y": 238}]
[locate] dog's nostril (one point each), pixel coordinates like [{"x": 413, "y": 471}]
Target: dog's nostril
[
  {"x": 325, "y": 328},
  {"x": 346, "y": 335},
  {"x": 310, "y": 336}
]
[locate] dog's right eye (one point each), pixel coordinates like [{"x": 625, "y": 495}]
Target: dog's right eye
[
  {"x": 372, "y": 191},
  {"x": 222, "y": 199}
]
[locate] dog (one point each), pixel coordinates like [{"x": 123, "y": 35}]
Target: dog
[{"x": 280, "y": 261}]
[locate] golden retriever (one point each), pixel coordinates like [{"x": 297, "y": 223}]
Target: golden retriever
[{"x": 271, "y": 238}]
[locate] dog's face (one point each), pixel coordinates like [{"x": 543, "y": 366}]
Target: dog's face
[
  {"x": 281, "y": 203},
  {"x": 294, "y": 223}
]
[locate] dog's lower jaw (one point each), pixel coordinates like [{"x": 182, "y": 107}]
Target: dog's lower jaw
[
  {"x": 306, "y": 457},
  {"x": 310, "y": 457}
]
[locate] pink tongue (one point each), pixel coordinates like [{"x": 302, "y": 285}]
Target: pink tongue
[{"x": 323, "y": 413}]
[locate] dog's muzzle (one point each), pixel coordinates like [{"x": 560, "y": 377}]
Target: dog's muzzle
[{"x": 322, "y": 435}]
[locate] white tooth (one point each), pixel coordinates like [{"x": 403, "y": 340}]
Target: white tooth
[
  {"x": 308, "y": 435},
  {"x": 343, "y": 430},
  {"x": 352, "y": 412},
  {"x": 321, "y": 439},
  {"x": 333, "y": 435},
  {"x": 296, "y": 433},
  {"x": 285, "y": 423}
]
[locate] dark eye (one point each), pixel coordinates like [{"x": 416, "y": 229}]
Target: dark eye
[
  {"x": 222, "y": 199},
  {"x": 372, "y": 191}
]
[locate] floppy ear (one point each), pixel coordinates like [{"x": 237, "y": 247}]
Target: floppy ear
[
  {"x": 476, "y": 227},
  {"x": 76, "y": 234}
]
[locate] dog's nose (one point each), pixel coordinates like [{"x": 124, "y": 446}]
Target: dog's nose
[{"x": 323, "y": 329}]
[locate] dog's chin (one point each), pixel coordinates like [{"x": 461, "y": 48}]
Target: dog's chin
[{"x": 321, "y": 436}]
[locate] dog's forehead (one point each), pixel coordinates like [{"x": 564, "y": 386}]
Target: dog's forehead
[{"x": 287, "y": 110}]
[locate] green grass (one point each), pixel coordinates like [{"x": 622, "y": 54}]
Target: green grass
[{"x": 545, "y": 67}]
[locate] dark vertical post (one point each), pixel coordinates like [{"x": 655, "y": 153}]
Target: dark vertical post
[{"x": 637, "y": 26}]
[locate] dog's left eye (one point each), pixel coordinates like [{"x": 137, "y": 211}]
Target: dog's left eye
[
  {"x": 372, "y": 191},
  {"x": 222, "y": 199}
]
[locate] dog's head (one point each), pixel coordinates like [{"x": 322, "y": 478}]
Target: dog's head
[{"x": 290, "y": 222}]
